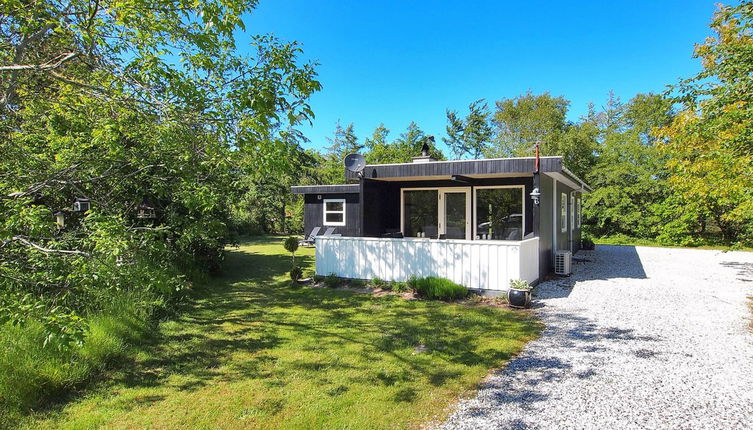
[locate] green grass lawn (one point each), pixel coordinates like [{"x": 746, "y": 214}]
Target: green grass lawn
[{"x": 252, "y": 352}]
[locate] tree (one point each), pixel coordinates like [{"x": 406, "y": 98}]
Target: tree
[
  {"x": 628, "y": 177},
  {"x": 343, "y": 142},
  {"x": 121, "y": 103},
  {"x": 402, "y": 149},
  {"x": 708, "y": 144},
  {"x": 523, "y": 121},
  {"x": 470, "y": 135}
]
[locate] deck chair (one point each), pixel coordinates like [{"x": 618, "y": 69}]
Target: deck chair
[
  {"x": 328, "y": 232},
  {"x": 309, "y": 241}
]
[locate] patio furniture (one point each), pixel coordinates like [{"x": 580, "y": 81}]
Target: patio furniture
[{"x": 309, "y": 241}]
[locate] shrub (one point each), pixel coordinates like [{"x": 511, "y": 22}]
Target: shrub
[
  {"x": 332, "y": 281},
  {"x": 296, "y": 273},
  {"x": 518, "y": 284},
  {"x": 379, "y": 283},
  {"x": 357, "y": 283},
  {"x": 434, "y": 288},
  {"x": 399, "y": 287}
]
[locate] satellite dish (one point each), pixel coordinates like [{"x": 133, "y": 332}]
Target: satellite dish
[{"x": 355, "y": 163}]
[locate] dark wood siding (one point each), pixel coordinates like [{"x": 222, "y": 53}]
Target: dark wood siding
[
  {"x": 313, "y": 213},
  {"x": 546, "y": 226},
  {"x": 381, "y": 207},
  {"x": 382, "y": 201}
]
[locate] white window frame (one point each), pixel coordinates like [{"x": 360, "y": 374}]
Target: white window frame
[
  {"x": 572, "y": 210},
  {"x": 325, "y": 212},
  {"x": 563, "y": 212},
  {"x": 489, "y": 187},
  {"x": 441, "y": 191}
]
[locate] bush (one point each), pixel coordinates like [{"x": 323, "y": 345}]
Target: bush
[
  {"x": 434, "y": 288},
  {"x": 296, "y": 273},
  {"x": 399, "y": 287},
  {"x": 332, "y": 281},
  {"x": 379, "y": 283},
  {"x": 291, "y": 245}
]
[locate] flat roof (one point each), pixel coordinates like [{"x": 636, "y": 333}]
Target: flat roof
[
  {"x": 326, "y": 189},
  {"x": 490, "y": 167}
]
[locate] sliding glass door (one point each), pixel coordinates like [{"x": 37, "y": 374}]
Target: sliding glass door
[
  {"x": 437, "y": 211},
  {"x": 454, "y": 219},
  {"x": 421, "y": 213}
]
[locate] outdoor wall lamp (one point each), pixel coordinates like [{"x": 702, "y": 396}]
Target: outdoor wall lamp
[{"x": 535, "y": 194}]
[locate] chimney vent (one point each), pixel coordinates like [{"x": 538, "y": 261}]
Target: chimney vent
[{"x": 425, "y": 157}]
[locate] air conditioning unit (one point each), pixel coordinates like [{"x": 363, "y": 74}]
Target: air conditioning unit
[{"x": 562, "y": 262}]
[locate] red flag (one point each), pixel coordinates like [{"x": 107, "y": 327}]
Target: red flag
[{"x": 537, "y": 158}]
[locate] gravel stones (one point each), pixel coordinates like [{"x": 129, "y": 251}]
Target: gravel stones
[{"x": 636, "y": 338}]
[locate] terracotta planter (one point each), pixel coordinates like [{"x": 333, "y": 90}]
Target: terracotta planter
[{"x": 519, "y": 298}]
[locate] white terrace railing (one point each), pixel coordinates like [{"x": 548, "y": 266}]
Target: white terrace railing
[{"x": 477, "y": 264}]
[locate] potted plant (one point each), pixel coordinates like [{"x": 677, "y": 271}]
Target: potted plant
[{"x": 519, "y": 294}]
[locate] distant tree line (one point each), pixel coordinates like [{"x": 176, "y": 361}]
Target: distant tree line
[{"x": 675, "y": 167}]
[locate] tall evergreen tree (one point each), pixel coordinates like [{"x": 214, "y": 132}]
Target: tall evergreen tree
[{"x": 469, "y": 136}]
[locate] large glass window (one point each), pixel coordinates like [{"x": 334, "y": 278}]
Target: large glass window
[
  {"x": 499, "y": 213},
  {"x": 334, "y": 211},
  {"x": 420, "y": 213},
  {"x": 563, "y": 212}
]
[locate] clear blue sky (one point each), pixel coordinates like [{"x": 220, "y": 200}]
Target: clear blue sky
[{"x": 401, "y": 61}]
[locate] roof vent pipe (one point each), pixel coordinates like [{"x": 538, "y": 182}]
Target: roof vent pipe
[{"x": 425, "y": 157}]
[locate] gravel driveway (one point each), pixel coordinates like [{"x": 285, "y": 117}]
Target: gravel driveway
[{"x": 637, "y": 338}]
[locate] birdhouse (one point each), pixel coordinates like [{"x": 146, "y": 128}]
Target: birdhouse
[
  {"x": 146, "y": 210},
  {"x": 82, "y": 204},
  {"x": 60, "y": 219}
]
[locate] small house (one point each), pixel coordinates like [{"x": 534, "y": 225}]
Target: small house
[{"x": 479, "y": 223}]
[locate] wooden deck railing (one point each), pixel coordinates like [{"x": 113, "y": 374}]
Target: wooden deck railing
[{"x": 477, "y": 264}]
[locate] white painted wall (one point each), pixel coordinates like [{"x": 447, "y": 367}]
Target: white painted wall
[{"x": 477, "y": 264}]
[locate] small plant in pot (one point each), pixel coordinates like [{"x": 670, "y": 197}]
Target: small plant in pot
[{"x": 519, "y": 294}]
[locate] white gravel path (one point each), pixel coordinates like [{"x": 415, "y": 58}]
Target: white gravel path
[{"x": 637, "y": 338}]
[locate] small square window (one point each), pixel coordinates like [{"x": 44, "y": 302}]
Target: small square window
[{"x": 334, "y": 212}]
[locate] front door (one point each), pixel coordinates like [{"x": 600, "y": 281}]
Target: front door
[{"x": 454, "y": 220}]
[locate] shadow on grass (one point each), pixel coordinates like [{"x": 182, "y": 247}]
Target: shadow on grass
[{"x": 250, "y": 324}]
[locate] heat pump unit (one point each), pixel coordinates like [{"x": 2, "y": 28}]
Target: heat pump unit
[{"x": 562, "y": 262}]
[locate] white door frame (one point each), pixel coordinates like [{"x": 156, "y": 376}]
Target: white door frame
[
  {"x": 441, "y": 191},
  {"x": 443, "y": 212}
]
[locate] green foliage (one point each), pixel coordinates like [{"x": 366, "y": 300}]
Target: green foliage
[
  {"x": 333, "y": 348},
  {"x": 35, "y": 368},
  {"x": 332, "y": 281},
  {"x": 709, "y": 142},
  {"x": 629, "y": 176},
  {"x": 471, "y": 135},
  {"x": 291, "y": 244},
  {"x": 295, "y": 273},
  {"x": 519, "y": 284},
  {"x": 399, "y": 287},
  {"x": 402, "y": 149},
  {"x": 434, "y": 288},
  {"x": 379, "y": 283}
]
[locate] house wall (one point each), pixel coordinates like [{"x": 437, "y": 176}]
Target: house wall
[
  {"x": 563, "y": 239},
  {"x": 546, "y": 226},
  {"x": 478, "y": 264},
  {"x": 313, "y": 213},
  {"x": 382, "y": 201},
  {"x": 381, "y": 208}
]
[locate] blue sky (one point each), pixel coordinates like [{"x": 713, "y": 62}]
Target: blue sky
[{"x": 401, "y": 61}]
